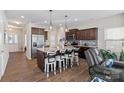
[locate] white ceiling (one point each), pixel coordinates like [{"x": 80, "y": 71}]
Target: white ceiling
[{"x": 39, "y": 16}]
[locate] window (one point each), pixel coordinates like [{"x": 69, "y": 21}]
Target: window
[
  {"x": 12, "y": 39},
  {"x": 114, "y": 39},
  {"x": 114, "y": 34}
]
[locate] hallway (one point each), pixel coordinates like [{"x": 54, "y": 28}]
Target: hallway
[{"x": 19, "y": 69}]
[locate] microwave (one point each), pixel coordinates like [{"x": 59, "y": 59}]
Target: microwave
[{"x": 71, "y": 37}]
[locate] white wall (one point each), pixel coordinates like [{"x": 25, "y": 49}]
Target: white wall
[
  {"x": 102, "y": 24},
  {"x": 18, "y": 46},
  {"x": 4, "y": 54},
  {"x": 27, "y": 29}
]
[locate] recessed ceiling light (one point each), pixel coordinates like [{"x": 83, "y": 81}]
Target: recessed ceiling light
[
  {"x": 75, "y": 19},
  {"x": 45, "y": 21},
  {"x": 22, "y": 17}
]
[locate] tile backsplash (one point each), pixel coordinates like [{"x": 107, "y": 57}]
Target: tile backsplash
[
  {"x": 85, "y": 42},
  {"x": 88, "y": 42}
]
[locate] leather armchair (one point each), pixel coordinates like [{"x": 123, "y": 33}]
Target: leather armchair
[{"x": 96, "y": 67}]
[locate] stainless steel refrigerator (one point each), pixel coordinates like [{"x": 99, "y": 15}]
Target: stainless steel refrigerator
[{"x": 37, "y": 42}]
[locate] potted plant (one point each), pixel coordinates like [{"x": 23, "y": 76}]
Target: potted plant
[
  {"x": 107, "y": 54},
  {"x": 121, "y": 56}
]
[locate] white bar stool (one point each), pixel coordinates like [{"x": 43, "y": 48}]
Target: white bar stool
[
  {"x": 69, "y": 57},
  {"x": 75, "y": 53},
  {"x": 61, "y": 59},
  {"x": 50, "y": 61}
]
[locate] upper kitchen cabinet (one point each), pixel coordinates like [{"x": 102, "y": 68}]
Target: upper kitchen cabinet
[
  {"x": 87, "y": 34},
  {"x": 39, "y": 31},
  {"x": 45, "y": 35},
  {"x": 71, "y": 34},
  {"x": 93, "y": 34}
]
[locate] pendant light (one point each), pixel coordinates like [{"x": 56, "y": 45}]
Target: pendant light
[
  {"x": 66, "y": 27},
  {"x": 51, "y": 25}
]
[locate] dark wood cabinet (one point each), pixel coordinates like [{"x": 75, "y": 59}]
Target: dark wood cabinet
[
  {"x": 35, "y": 30},
  {"x": 39, "y": 31},
  {"x": 45, "y": 35},
  {"x": 78, "y": 35},
  {"x": 84, "y": 34},
  {"x": 40, "y": 59},
  {"x": 88, "y": 35},
  {"x": 67, "y": 35},
  {"x": 93, "y": 34},
  {"x": 71, "y": 33}
]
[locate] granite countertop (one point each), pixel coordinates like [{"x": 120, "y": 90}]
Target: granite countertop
[
  {"x": 49, "y": 49},
  {"x": 46, "y": 49}
]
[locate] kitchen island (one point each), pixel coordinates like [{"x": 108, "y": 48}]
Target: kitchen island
[
  {"x": 83, "y": 48},
  {"x": 42, "y": 52}
]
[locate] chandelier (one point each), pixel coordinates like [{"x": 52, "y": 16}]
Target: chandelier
[
  {"x": 66, "y": 27},
  {"x": 51, "y": 25}
]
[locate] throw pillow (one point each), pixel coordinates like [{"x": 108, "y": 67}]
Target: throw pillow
[{"x": 109, "y": 63}]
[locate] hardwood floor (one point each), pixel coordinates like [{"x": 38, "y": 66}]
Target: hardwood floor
[{"x": 19, "y": 69}]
